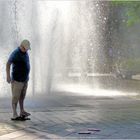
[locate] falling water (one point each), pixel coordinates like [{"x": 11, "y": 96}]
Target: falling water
[
  {"x": 63, "y": 40},
  {"x": 66, "y": 40}
]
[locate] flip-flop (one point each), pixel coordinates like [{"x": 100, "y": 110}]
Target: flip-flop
[
  {"x": 20, "y": 119},
  {"x": 25, "y": 118},
  {"x": 16, "y": 119}
]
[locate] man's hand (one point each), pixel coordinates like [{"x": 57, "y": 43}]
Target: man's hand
[{"x": 9, "y": 79}]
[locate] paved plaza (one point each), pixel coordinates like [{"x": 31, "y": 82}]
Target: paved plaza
[{"x": 73, "y": 117}]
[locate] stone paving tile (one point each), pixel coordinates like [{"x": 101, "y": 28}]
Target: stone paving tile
[
  {"x": 115, "y": 120},
  {"x": 14, "y": 135},
  {"x": 38, "y": 117}
]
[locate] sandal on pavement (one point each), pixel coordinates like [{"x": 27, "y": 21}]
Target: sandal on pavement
[
  {"x": 16, "y": 118},
  {"x": 25, "y": 114}
]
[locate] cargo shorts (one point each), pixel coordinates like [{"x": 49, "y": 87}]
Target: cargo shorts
[{"x": 18, "y": 90}]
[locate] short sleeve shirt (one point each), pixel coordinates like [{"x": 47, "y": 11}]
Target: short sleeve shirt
[{"x": 20, "y": 65}]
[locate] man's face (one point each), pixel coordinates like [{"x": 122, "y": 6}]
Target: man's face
[{"x": 23, "y": 49}]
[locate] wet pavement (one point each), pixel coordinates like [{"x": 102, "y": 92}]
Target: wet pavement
[{"x": 73, "y": 117}]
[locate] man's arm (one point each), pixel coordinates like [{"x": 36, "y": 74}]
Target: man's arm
[{"x": 8, "y": 72}]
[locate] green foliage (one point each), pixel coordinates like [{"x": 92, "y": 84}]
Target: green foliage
[
  {"x": 130, "y": 64},
  {"x": 132, "y": 10}
]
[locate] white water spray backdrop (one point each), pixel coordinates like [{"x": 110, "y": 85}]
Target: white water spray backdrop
[{"x": 63, "y": 39}]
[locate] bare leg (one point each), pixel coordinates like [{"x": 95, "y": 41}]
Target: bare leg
[
  {"x": 22, "y": 97},
  {"x": 14, "y": 107},
  {"x": 21, "y": 104},
  {"x": 15, "y": 98}
]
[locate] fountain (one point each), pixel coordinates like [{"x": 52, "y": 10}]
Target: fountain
[
  {"x": 68, "y": 46},
  {"x": 60, "y": 33}
]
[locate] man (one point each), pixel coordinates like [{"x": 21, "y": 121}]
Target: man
[{"x": 19, "y": 59}]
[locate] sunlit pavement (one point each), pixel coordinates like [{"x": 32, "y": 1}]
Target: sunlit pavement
[{"x": 65, "y": 117}]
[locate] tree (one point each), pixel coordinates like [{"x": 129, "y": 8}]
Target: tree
[{"x": 132, "y": 10}]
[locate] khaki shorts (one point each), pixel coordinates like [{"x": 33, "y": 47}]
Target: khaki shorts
[{"x": 18, "y": 90}]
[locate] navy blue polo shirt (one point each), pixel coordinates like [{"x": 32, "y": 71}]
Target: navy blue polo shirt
[{"x": 20, "y": 65}]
